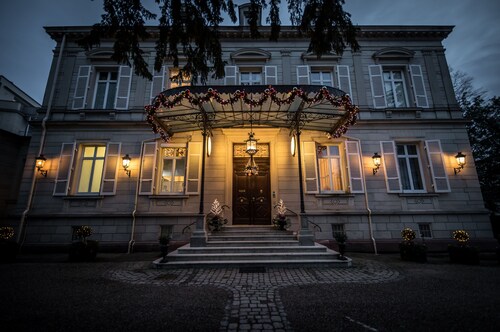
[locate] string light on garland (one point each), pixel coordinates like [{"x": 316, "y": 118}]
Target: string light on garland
[{"x": 164, "y": 103}]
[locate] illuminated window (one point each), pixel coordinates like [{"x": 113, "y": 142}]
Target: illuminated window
[
  {"x": 105, "y": 91},
  {"x": 410, "y": 168},
  {"x": 330, "y": 169},
  {"x": 176, "y": 81},
  {"x": 173, "y": 170},
  {"x": 91, "y": 169}
]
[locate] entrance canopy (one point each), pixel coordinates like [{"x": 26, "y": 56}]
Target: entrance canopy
[{"x": 310, "y": 107}]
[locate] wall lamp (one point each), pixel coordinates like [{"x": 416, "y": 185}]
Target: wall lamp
[
  {"x": 126, "y": 164},
  {"x": 376, "y": 162},
  {"x": 293, "y": 145},
  {"x": 460, "y": 157},
  {"x": 39, "y": 163}
]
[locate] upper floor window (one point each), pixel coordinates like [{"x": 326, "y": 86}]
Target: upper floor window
[
  {"x": 177, "y": 81},
  {"x": 105, "y": 91},
  {"x": 319, "y": 77},
  {"x": 253, "y": 77},
  {"x": 102, "y": 87},
  {"x": 389, "y": 86},
  {"x": 332, "y": 168},
  {"x": 395, "y": 88}
]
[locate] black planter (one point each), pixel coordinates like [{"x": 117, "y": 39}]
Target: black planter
[
  {"x": 8, "y": 251},
  {"x": 83, "y": 251},
  {"x": 413, "y": 252},
  {"x": 463, "y": 255}
]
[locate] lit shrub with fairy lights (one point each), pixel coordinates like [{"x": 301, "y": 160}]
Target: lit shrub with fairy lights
[
  {"x": 409, "y": 250},
  {"x": 462, "y": 253}
]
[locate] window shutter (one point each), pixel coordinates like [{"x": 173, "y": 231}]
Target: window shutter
[
  {"x": 310, "y": 168},
  {"x": 64, "y": 170},
  {"x": 344, "y": 79},
  {"x": 354, "y": 166},
  {"x": 391, "y": 168},
  {"x": 82, "y": 83},
  {"x": 377, "y": 84},
  {"x": 436, "y": 164},
  {"x": 417, "y": 80},
  {"x": 158, "y": 82},
  {"x": 194, "y": 168},
  {"x": 303, "y": 75},
  {"x": 123, "y": 87},
  {"x": 271, "y": 75},
  {"x": 148, "y": 167},
  {"x": 108, "y": 186},
  {"x": 231, "y": 77}
]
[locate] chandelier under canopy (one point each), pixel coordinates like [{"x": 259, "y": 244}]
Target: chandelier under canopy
[{"x": 251, "y": 167}]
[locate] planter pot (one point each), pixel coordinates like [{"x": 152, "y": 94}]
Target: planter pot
[
  {"x": 413, "y": 252},
  {"x": 83, "y": 251},
  {"x": 8, "y": 251},
  {"x": 463, "y": 255}
]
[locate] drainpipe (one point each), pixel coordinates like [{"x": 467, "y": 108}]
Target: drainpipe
[
  {"x": 136, "y": 198},
  {"x": 367, "y": 205},
  {"x": 22, "y": 224}
]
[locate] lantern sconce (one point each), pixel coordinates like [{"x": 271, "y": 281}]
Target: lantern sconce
[
  {"x": 126, "y": 164},
  {"x": 460, "y": 157},
  {"x": 293, "y": 145},
  {"x": 209, "y": 145},
  {"x": 376, "y": 162},
  {"x": 39, "y": 163}
]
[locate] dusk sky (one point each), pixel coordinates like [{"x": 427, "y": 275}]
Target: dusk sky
[{"x": 473, "y": 47}]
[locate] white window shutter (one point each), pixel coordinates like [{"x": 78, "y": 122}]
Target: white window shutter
[
  {"x": 123, "y": 87},
  {"x": 271, "y": 75},
  {"x": 64, "y": 169},
  {"x": 344, "y": 79},
  {"x": 231, "y": 75},
  {"x": 82, "y": 84},
  {"x": 436, "y": 164},
  {"x": 354, "y": 166},
  {"x": 417, "y": 79},
  {"x": 303, "y": 75},
  {"x": 310, "y": 167},
  {"x": 108, "y": 186},
  {"x": 158, "y": 82},
  {"x": 193, "y": 175},
  {"x": 148, "y": 168},
  {"x": 391, "y": 168},
  {"x": 377, "y": 85}
]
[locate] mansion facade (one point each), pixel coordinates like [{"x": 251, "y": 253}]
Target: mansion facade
[{"x": 189, "y": 146}]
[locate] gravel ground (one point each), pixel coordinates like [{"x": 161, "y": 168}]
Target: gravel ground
[
  {"x": 436, "y": 296},
  {"x": 47, "y": 293}
]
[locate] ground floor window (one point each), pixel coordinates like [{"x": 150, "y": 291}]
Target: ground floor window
[
  {"x": 173, "y": 169},
  {"x": 330, "y": 169},
  {"x": 410, "y": 167}
]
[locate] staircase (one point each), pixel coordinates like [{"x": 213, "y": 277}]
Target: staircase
[{"x": 252, "y": 247}]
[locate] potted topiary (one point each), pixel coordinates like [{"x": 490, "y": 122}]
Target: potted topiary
[
  {"x": 280, "y": 221},
  {"x": 83, "y": 249},
  {"x": 215, "y": 219},
  {"x": 341, "y": 238},
  {"x": 8, "y": 247},
  {"x": 409, "y": 250},
  {"x": 164, "y": 241},
  {"x": 462, "y": 253}
]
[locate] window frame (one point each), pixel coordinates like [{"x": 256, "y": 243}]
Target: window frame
[
  {"x": 251, "y": 71},
  {"x": 406, "y": 156},
  {"x": 421, "y": 232},
  {"x": 340, "y": 230},
  {"x": 160, "y": 161},
  {"x": 403, "y": 80},
  {"x": 107, "y": 81},
  {"x": 77, "y": 180},
  {"x": 321, "y": 71},
  {"x": 342, "y": 166}
]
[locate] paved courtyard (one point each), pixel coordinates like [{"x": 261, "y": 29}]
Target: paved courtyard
[{"x": 123, "y": 293}]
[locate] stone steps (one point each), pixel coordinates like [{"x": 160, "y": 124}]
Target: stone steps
[{"x": 251, "y": 246}]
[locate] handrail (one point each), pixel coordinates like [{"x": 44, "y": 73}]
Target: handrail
[
  {"x": 188, "y": 226},
  {"x": 306, "y": 218}
]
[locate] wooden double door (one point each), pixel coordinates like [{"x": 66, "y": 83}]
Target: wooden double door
[{"x": 251, "y": 194}]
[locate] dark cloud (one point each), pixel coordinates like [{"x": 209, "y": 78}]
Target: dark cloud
[{"x": 473, "y": 47}]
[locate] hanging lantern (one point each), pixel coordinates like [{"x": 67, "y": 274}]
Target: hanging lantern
[{"x": 251, "y": 142}]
